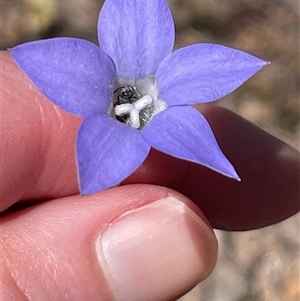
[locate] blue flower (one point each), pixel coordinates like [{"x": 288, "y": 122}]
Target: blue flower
[{"x": 134, "y": 92}]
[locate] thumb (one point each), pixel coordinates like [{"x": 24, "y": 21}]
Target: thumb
[{"x": 134, "y": 242}]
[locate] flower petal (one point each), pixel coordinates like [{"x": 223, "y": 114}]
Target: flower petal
[
  {"x": 74, "y": 74},
  {"x": 137, "y": 35},
  {"x": 107, "y": 152},
  {"x": 184, "y": 133},
  {"x": 204, "y": 72}
]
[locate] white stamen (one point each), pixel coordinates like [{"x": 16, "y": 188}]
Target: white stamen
[
  {"x": 123, "y": 109},
  {"x": 135, "y": 118},
  {"x": 143, "y": 102}
]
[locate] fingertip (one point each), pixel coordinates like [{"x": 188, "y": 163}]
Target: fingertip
[{"x": 173, "y": 247}]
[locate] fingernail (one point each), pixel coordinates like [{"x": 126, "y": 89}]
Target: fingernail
[{"x": 156, "y": 252}]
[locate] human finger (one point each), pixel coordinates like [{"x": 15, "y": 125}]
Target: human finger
[
  {"x": 37, "y": 147},
  {"x": 135, "y": 242}
]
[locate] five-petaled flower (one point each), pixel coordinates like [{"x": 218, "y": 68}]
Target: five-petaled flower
[{"x": 134, "y": 92}]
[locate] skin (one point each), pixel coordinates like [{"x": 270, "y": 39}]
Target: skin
[{"x": 57, "y": 245}]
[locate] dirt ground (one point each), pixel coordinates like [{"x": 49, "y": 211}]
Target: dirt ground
[{"x": 259, "y": 265}]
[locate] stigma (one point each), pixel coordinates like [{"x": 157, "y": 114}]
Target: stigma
[{"x": 134, "y": 107}]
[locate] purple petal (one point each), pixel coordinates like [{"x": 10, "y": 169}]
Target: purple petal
[
  {"x": 74, "y": 74},
  {"x": 184, "y": 133},
  {"x": 107, "y": 152},
  {"x": 204, "y": 72},
  {"x": 137, "y": 34}
]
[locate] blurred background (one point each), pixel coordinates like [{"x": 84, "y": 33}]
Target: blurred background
[{"x": 259, "y": 265}]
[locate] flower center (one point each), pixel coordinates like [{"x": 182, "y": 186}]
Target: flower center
[{"x": 135, "y": 107}]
